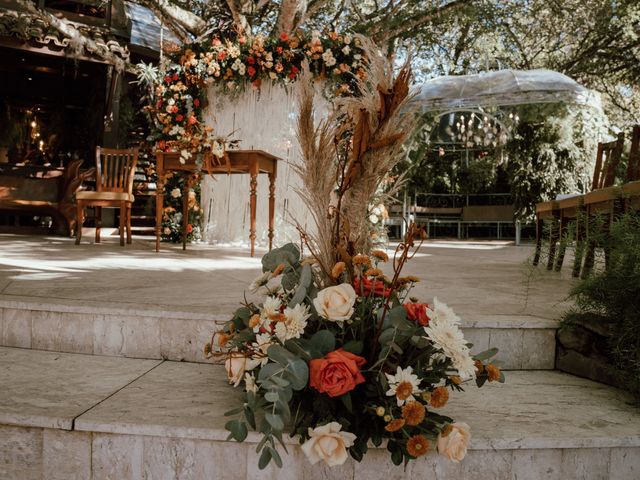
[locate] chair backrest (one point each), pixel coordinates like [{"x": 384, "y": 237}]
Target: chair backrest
[
  {"x": 115, "y": 169},
  {"x": 633, "y": 167},
  {"x": 607, "y": 160}
]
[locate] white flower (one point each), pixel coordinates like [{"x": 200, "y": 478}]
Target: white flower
[
  {"x": 346, "y": 50},
  {"x": 442, "y": 313},
  {"x": 167, "y": 231},
  {"x": 171, "y": 101},
  {"x": 453, "y": 444},
  {"x": 403, "y": 385},
  {"x": 328, "y": 443},
  {"x": 272, "y": 75},
  {"x": 237, "y": 64},
  {"x": 236, "y": 365},
  {"x": 250, "y": 383},
  {"x": 336, "y": 303},
  {"x": 328, "y": 58},
  {"x": 357, "y": 56},
  {"x": 262, "y": 344},
  {"x": 463, "y": 363},
  {"x": 347, "y": 39},
  {"x": 217, "y": 149},
  {"x": 373, "y": 218},
  {"x": 295, "y": 323},
  {"x": 266, "y": 284},
  {"x": 271, "y": 307},
  {"x": 176, "y": 193}
]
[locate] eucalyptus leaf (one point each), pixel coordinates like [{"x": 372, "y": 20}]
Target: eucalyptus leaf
[
  {"x": 265, "y": 458},
  {"x": 305, "y": 276},
  {"x": 299, "y": 296},
  {"x": 354, "y": 346},
  {"x": 238, "y": 430},
  {"x": 486, "y": 355},
  {"x": 322, "y": 342},
  {"x": 275, "y": 421},
  {"x": 271, "y": 396}
]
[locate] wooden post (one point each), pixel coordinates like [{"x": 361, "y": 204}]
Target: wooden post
[
  {"x": 253, "y": 191},
  {"x": 159, "y": 197},
  {"x": 272, "y": 203}
]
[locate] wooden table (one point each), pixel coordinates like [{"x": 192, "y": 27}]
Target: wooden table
[{"x": 248, "y": 162}]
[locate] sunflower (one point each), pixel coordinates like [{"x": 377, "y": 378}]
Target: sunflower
[
  {"x": 413, "y": 413},
  {"x": 417, "y": 445}
]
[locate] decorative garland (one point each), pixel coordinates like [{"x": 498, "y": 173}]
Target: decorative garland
[{"x": 179, "y": 96}]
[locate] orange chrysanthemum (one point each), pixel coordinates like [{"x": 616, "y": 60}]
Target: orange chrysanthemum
[
  {"x": 479, "y": 367},
  {"x": 394, "y": 425},
  {"x": 374, "y": 272},
  {"x": 254, "y": 321},
  {"x": 417, "y": 445},
  {"x": 361, "y": 260},
  {"x": 279, "y": 269},
  {"x": 493, "y": 372},
  {"x": 338, "y": 269},
  {"x": 413, "y": 413},
  {"x": 380, "y": 255},
  {"x": 439, "y": 397},
  {"x": 456, "y": 380},
  {"x": 278, "y": 317},
  {"x": 404, "y": 390}
]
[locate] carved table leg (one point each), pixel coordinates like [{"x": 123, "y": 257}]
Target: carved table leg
[
  {"x": 98, "y": 223},
  {"x": 253, "y": 189},
  {"x": 272, "y": 206}
]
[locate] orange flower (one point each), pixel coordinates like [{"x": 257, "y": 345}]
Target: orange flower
[
  {"x": 254, "y": 321},
  {"x": 337, "y": 270},
  {"x": 394, "y": 425},
  {"x": 279, "y": 269},
  {"x": 439, "y": 397},
  {"x": 361, "y": 260},
  {"x": 456, "y": 380},
  {"x": 417, "y": 312},
  {"x": 404, "y": 390},
  {"x": 493, "y": 372},
  {"x": 479, "y": 366},
  {"x": 380, "y": 255},
  {"x": 374, "y": 272},
  {"x": 417, "y": 445},
  {"x": 337, "y": 373},
  {"x": 413, "y": 413}
]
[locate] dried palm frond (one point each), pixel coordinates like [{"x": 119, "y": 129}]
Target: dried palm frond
[{"x": 347, "y": 156}]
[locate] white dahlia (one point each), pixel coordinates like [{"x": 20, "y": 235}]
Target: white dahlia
[{"x": 295, "y": 323}]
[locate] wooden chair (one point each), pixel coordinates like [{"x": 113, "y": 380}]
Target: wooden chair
[
  {"x": 115, "y": 170},
  {"x": 604, "y": 198}
]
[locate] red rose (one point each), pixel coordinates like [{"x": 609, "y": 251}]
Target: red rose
[
  {"x": 337, "y": 373},
  {"x": 175, "y": 77},
  {"x": 251, "y": 71},
  {"x": 417, "y": 312},
  {"x": 162, "y": 144},
  {"x": 159, "y": 104},
  {"x": 284, "y": 37},
  {"x": 192, "y": 120},
  {"x": 294, "y": 69},
  {"x": 167, "y": 79},
  {"x": 189, "y": 228},
  {"x": 196, "y": 102},
  {"x": 256, "y": 83},
  {"x": 174, "y": 109},
  {"x": 292, "y": 75},
  {"x": 179, "y": 117},
  {"x": 251, "y": 60},
  {"x": 279, "y": 50},
  {"x": 365, "y": 286},
  {"x": 222, "y": 55}
]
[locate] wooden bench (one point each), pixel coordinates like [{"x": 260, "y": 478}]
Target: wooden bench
[
  {"x": 488, "y": 215},
  {"x": 43, "y": 191}
]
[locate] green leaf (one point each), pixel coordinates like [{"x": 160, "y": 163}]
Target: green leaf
[
  {"x": 287, "y": 254},
  {"x": 298, "y": 296},
  {"x": 238, "y": 430},
  {"x": 233, "y": 411},
  {"x": 322, "y": 342},
  {"x": 275, "y": 421},
  {"x": 346, "y": 401},
  {"x": 276, "y": 456},
  {"x": 502, "y": 378},
  {"x": 265, "y": 458},
  {"x": 305, "y": 276},
  {"x": 486, "y": 355},
  {"x": 250, "y": 417},
  {"x": 271, "y": 397},
  {"x": 387, "y": 336},
  {"x": 354, "y": 346}
]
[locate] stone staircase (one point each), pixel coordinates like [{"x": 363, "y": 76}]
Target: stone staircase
[{"x": 97, "y": 390}]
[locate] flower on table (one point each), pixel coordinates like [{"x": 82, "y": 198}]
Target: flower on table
[
  {"x": 337, "y": 373},
  {"x": 417, "y": 445},
  {"x": 328, "y": 443},
  {"x": 453, "y": 441},
  {"x": 176, "y": 193},
  {"x": 335, "y": 303},
  {"x": 294, "y": 324},
  {"x": 403, "y": 385}
]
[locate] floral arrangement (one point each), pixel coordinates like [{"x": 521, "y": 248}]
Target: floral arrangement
[
  {"x": 349, "y": 363},
  {"x": 336, "y": 352},
  {"x": 172, "y": 225}
]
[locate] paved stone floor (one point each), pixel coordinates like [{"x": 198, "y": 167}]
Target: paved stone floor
[{"x": 483, "y": 281}]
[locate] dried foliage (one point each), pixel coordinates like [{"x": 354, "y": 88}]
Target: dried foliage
[{"x": 347, "y": 156}]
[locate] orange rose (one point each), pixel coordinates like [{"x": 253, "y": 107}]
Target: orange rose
[
  {"x": 365, "y": 286},
  {"x": 417, "y": 312},
  {"x": 337, "y": 373}
]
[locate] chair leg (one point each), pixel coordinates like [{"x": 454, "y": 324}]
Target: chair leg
[
  {"x": 79, "y": 221},
  {"x": 553, "y": 238},
  {"x": 564, "y": 234},
  {"x": 539, "y": 226},
  {"x": 129, "y": 224},
  {"x": 123, "y": 214},
  {"x": 98, "y": 223}
]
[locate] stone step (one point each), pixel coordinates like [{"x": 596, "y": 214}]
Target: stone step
[
  {"x": 70, "y": 416},
  {"x": 525, "y": 342}
]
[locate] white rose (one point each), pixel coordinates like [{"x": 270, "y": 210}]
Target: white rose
[
  {"x": 336, "y": 303},
  {"x": 328, "y": 443},
  {"x": 454, "y": 444},
  {"x": 373, "y": 218},
  {"x": 236, "y": 365},
  {"x": 167, "y": 231},
  {"x": 175, "y": 193}
]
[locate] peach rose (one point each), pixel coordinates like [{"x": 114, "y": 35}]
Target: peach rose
[
  {"x": 336, "y": 303},
  {"x": 453, "y": 442},
  {"x": 337, "y": 373},
  {"x": 236, "y": 365},
  {"x": 328, "y": 443}
]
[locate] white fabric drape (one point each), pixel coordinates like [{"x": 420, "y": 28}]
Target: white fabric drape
[{"x": 262, "y": 119}]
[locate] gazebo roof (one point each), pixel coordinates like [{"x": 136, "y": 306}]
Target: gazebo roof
[{"x": 503, "y": 87}]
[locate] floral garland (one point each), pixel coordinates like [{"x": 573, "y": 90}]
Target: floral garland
[{"x": 178, "y": 98}]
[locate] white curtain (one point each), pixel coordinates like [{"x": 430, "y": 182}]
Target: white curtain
[{"x": 262, "y": 119}]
